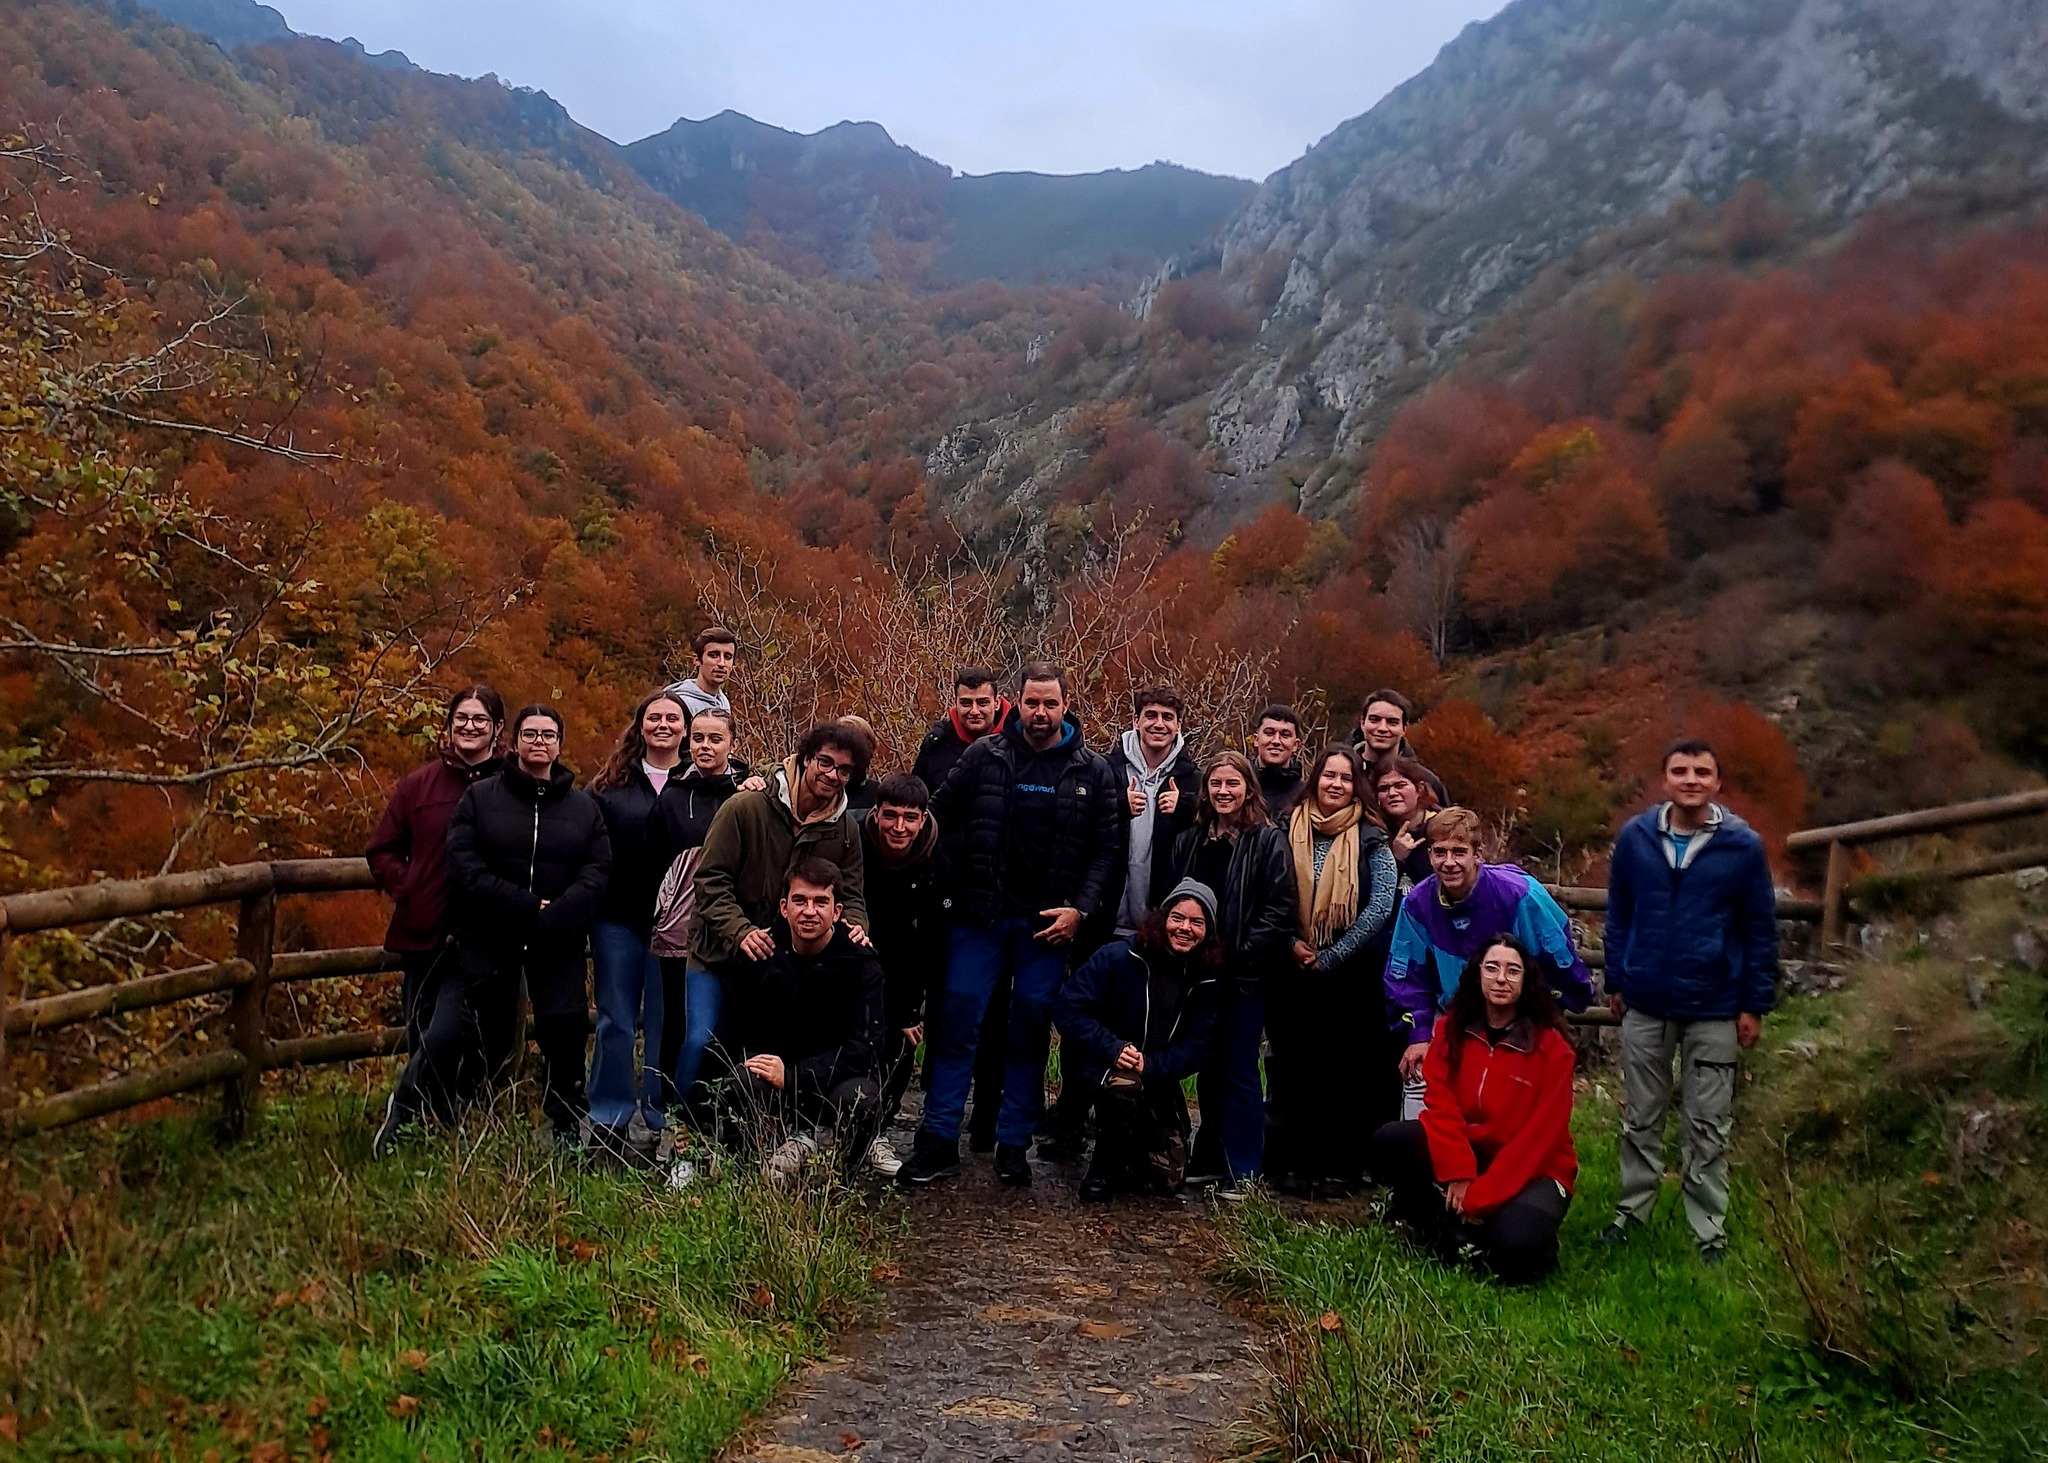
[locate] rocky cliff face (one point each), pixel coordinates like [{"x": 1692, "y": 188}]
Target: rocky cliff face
[{"x": 1407, "y": 229}]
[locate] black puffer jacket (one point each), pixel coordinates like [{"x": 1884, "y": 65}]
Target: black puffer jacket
[
  {"x": 690, "y": 801},
  {"x": 1086, "y": 869},
  {"x": 639, "y": 850},
  {"x": 822, "y": 1014},
  {"x": 513, "y": 843},
  {"x": 1255, "y": 906},
  {"x": 908, "y": 908}
]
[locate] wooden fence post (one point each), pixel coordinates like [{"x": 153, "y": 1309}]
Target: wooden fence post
[
  {"x": 1835, "y": 899},
  {"x": 255, "y": 939}
]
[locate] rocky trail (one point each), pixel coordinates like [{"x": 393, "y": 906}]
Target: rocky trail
[{"x": 1026, "y": 1325}]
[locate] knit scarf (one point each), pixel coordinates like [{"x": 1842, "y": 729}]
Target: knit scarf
[{"x": 1326, "y": 906}]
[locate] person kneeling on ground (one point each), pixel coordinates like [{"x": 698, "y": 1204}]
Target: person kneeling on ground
[
  {"x": 1491, "y": 1163},
  {"x": 801, "y": 1031},
  {"x": 1135, "y": 1020}
]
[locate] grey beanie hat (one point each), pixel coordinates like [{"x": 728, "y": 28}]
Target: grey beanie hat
[{"x": 1196, "y": 890}]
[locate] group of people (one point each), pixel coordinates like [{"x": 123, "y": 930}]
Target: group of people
[{"x": 776, "y": 955}]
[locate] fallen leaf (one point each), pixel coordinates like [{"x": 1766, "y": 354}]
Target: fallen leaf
[
  {"x": 271, "y": 1452},
  {"x": 697, "y": 1364},
  {"x": 10, "y": 1426},
  {"x": 405, "y": 1406},
  {"x": 788, "y": 1453},
  {"x": 1630, "y": 1355},
  {"x": 1931, "y": 1179},
  {"x": 414, "y": 1359},
  {"x": 649, "y": 1314},
  {"x": 316, "y": 1438},
  {"x": 312, "y": 1293},
  {"x": 1124, "y": 1399},
  {"x": 1107, "y": 1330},
  {"x": 1329, "y": 1321},
  {"x": 582, "y": 1251},
  {"x": 764, "y": 1298},
  {"x": 882, "y": 1274},
  {"x": 315, "y": 1406},
  {"x": 849, "y": 1441},
  {"x": 282, "y": 1299},
  {"x": 991, "y": 1409}
]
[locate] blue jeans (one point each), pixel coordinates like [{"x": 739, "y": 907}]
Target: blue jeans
[
  {"x": 1229, "y": 1090},
  {"x": 628, "y": 982},
  {"x": 703, "y": 997},
  {"x": 977, "y": 960}
]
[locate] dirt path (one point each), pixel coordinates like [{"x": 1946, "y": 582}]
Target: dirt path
[{"x": 1028, "y": 1326}]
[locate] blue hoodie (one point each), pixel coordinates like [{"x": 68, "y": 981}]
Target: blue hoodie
[{"x": 1692, "y": 923}]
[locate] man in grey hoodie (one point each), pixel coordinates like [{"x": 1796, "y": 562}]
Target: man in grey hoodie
[{"x": 1161, "y": 786}]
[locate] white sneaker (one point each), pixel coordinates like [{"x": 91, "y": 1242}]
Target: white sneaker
[
  {"x": 785, "y": 1163},
  {"x": 883, "y": 1160},
  {"x": 681, "y": 1174}
]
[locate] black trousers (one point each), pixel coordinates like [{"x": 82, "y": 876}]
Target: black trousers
[
  {"x": 1141, "y": 1135},
  {"x": 1518, "y": 1241},
  {"x": 479, "y": 1009},
  {"x": 445, "y": 1061},
  {"x": 754, "y": 1115},
  {"x": 899, "y": 1067},
  {"x": 1332, "y": 1075}
]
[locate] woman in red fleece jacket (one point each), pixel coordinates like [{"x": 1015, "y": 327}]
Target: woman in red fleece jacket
[{"x": 1491, "y": 1162}]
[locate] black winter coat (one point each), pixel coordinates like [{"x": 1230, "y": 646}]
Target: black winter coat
[
  {"x": 909, "y": 909},
  {"x": 688, "y": 803},
  {"x": 1086, "y": 870},
  {"x": 943, "y": 747},
  {"x": 1160, "y": 1003},
  {"x": 1256, "y": 904},
  {"x": 514, "y": 842},
  {"x": 822, "y": 1014},
  {"x": 639, "y": 850},
  {"x": 1278, "y": 786}
]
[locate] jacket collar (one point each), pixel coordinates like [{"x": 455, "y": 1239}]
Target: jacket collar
[
  {"x": 784, "y": 788},
  {"x": 1521, "y": 1034},
  {"x": 1716, "y": 817},
  {"x": 1070, "y": 737},
  {"x": 968, "y": 738},
  {"x": 472, "y": 771},
  {"x": 560, "y": 781}
]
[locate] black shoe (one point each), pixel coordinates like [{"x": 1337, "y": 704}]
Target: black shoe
[
  {"x": 388, "y": 1130},
  {"x": 980, "y": 1142},
  {"x": 930, "y": 1160},
  {"x": 1094, "y": 1188},
  {"x": 1013, "y": 1165},
  {"x": 1614, "y": 1234},
  {"x": 1062, "y": 1147},
  {"x": 1205, "y": 1180}
]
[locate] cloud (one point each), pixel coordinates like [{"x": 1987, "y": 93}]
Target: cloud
[{"x": 1057, "y": 86}]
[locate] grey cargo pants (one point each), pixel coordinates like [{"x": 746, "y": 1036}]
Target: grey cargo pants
[{"x": 1707, "y": 1065}]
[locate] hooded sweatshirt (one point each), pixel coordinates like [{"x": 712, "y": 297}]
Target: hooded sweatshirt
[
  {"x": 1151, "y": 781},
  {"x": 1433, "y": 940}
]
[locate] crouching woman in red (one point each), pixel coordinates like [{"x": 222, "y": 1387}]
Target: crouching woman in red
[{"x": 1491, "y": 1162}]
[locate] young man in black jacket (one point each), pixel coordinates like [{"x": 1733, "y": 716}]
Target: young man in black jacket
[
  {"x": 801, "y": 1033},
  {"x": 1276, "y": 752},
  {"x": 1033, "y": 823},
  {"x": 905, "y": 873},
  {"x": 528, "y": 860}
]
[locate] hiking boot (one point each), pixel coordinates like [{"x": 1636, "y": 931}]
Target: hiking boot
[
  {"x": 882, "y": 1158},
  {"x": 930, "y": 1160},
  {"x": 1094, "y": 1186},
  {"x": 1013, "y": 1165},
  {"x": 1059, "y": 1147},
  {"x": 1614, "y": 1234},
  {"x": 787, "y": 1162}
]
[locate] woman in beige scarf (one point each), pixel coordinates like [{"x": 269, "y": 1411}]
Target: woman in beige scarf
[{"x": 1328, "y": 1085}]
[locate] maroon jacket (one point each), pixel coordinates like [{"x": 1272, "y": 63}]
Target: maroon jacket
[{"x": 407, "y": 852}]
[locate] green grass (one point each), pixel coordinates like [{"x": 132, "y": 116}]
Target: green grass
[
  {"x": 162, "y": 1297},
  {"x": 1640, "y": 1354}
]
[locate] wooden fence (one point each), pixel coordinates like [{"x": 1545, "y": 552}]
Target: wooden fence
[
  {"x": 255, "y": 970},
  {"x": 249, "y": 976},
  {"x": 1839, "y": 839}
]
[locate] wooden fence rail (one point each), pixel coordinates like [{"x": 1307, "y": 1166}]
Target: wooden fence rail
[
  {"x": 247, "y": 978},
  {"x": 1842, "y": 837}
]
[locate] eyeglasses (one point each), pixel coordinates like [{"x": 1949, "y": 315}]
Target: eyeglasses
[
  {"x": 539, "y": 736},
  {"x": 841, "y": 771},
  {"x": 473, "y": 721}
]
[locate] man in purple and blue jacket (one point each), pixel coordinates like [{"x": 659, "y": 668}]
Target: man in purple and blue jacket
[{"x": 1692, "y": 969}]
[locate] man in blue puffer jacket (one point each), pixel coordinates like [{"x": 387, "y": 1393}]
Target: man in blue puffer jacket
[{"x": 1692, "y": 969}]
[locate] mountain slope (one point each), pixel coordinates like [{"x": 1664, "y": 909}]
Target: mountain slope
[{"x": 1560, "y": 120}]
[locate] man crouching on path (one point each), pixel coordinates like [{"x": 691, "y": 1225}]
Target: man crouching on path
[
  {"x": 1033, "y": 822},
  {"x": 1692, "y": 969}
]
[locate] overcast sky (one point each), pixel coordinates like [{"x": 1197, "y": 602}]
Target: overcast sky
[{"x": 1053, "y": 86}]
